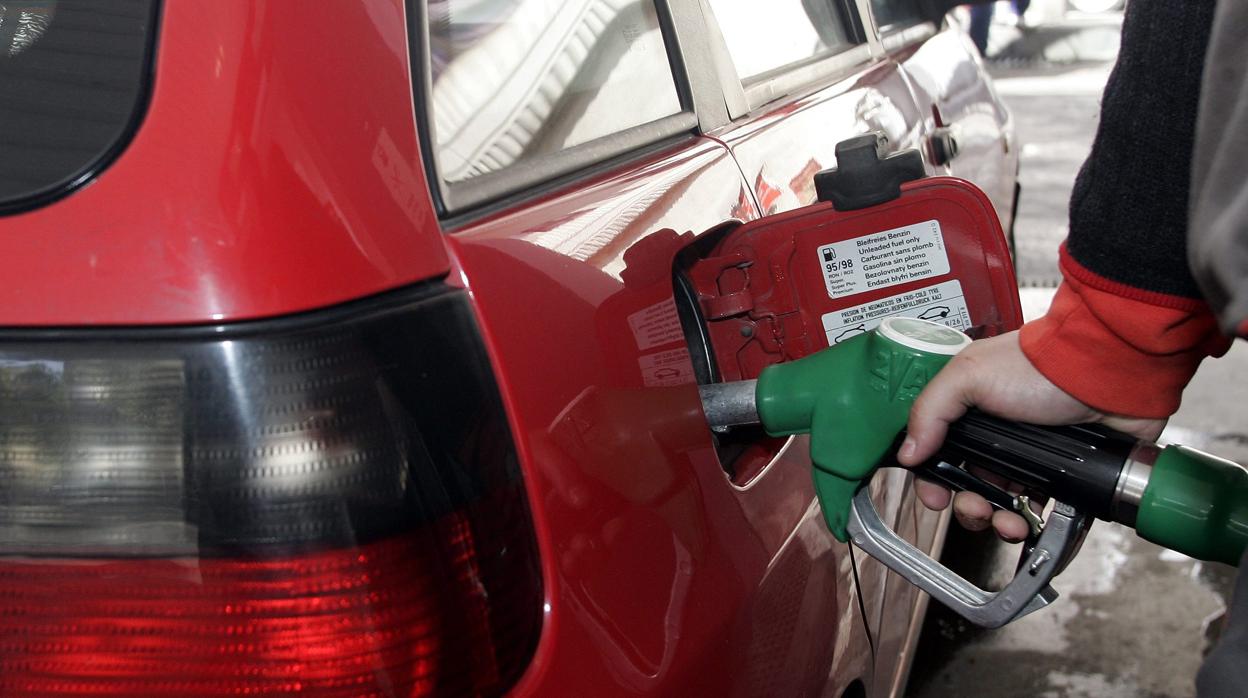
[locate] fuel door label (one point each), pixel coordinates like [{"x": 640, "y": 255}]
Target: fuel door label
[
  {"x": 943, "y": 303},
  {"x": 883, "y": 259}
]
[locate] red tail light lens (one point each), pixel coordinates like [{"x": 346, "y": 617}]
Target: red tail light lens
[{"x": 327, "y": 505}]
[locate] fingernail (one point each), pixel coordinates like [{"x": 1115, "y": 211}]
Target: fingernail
[{"x": 908, "y": 447}]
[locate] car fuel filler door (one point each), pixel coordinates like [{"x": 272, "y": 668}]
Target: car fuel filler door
[{"x": 883, "y": 240}]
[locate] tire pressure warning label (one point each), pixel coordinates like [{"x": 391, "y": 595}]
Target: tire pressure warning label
[
  {"x": 943, "y": 303},
  {"x": 883, "y": 259}
]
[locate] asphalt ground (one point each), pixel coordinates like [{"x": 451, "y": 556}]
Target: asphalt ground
[{"x": 1133, "y": 619}]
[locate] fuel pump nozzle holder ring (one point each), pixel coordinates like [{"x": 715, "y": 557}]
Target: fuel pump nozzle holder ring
[{"x": 1029, "y": 590}]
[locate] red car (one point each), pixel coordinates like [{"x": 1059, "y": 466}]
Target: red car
[{"x": 350, "y": 348}]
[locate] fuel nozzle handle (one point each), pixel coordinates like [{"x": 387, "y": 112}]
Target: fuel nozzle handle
[
  {"x": 1180, "y": 498},
  {"x": 1079, "y": 465}
]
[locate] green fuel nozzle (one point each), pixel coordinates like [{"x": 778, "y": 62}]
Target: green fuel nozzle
[
  {"x": 854, "y": 400},
  {"x": 1194, "y": 503}
]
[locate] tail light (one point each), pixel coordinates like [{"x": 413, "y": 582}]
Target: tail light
[{"x": 327, "y": 504}]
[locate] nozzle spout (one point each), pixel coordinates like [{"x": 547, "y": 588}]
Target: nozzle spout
[{"x": 729, "y": 404}]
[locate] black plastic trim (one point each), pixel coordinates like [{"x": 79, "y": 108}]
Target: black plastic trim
[
  {"x": 292, "y": 322},
  {"x": 854, "y": 24},
  {"x": 453, "y": 222},
  {"x": 108, "y": 156},
  {"x": 695, "y": 42},
  {"x": 862, "y": 178},
  {"x": 675, "y": 55},
  {"x": 417, "y": 30},
  {"x": 486, "y": 188}
]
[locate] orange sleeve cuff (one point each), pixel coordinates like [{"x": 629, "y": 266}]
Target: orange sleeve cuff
[{"x": 1117, "y": 354}]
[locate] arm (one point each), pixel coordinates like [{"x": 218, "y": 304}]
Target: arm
[
  {"x": 1120, "y": 349},
  {"x": 1096, "y": 357},
  {"x": 1127, "y": 328},
  {"x": 1218, "y": 244}
]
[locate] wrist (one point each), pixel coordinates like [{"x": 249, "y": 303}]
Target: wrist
[{"x": 1119, "y": 355}]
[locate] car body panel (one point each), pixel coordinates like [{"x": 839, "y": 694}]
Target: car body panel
[
  {"x": 947, "y": 78},
  {"x": 782, "y": 147},
  {"x": 250, "y": 189},
  {"x": 779, "y": 151},
  {"x": 274, "y": 175},
  {"x": 662, "y": 576}
]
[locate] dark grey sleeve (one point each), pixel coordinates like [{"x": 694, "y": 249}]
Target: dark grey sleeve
[
  {"x": 1218, "y": 252},
  {"x": 1217, "y": 241},
  {"x": 1225, "y": 671},
  {"x": 1129, "y": 204}
]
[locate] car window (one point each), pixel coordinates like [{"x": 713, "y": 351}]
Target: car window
[
  {"x": 73, "y": 76},
  {"x": 518, "y": 80},
  {"x": 764, "y": 37},
  {"x": 896, "y": 14}
]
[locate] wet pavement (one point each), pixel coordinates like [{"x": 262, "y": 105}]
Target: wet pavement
[
  {"x": 1132, "y": 618},
  {"x": 1131, "y": 621}
]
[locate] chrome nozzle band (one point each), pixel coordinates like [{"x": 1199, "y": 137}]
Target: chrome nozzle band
[{"x": 1132, "y": 481}]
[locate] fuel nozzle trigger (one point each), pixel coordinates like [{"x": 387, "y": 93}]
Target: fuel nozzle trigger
[
  {"x": 959, "y": 479},
  {"x": 1028, "y": 591},
  {"x": 1050, "y": 544}
]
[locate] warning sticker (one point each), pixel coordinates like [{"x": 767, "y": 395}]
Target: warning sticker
[
  {"x": 884, "y": 259},
  {"x": 656, "y": 324},
  {"x": 943, "y": 303},
  {"x": 666, "y": 368}
]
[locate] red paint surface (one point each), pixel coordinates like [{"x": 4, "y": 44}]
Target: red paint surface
[
  {"x": 277, "y": 170},
  {"x": 662, "y": 576},
  {"x": 763, "y": 288}
]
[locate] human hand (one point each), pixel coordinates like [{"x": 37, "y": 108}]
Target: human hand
[{"x": 995, "y": 376}]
